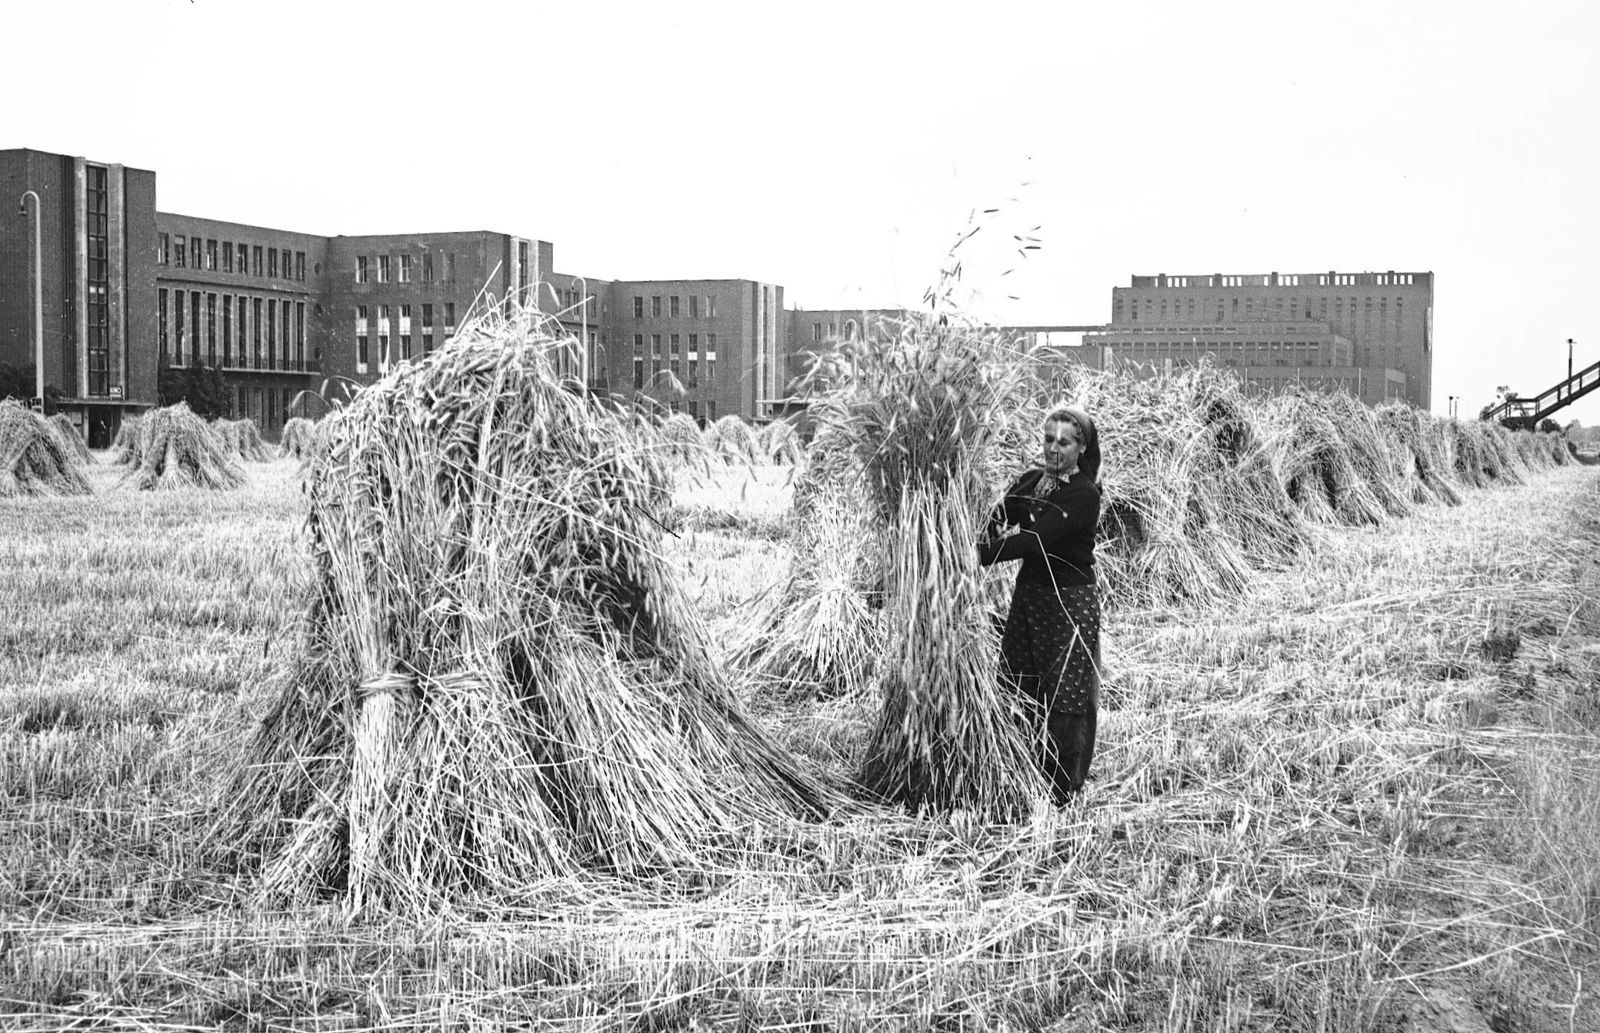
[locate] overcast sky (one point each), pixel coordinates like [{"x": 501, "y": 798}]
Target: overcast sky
[{"x": 837, "y": 149}]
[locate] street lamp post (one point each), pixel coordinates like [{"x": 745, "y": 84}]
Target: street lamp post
[{"x": 38, "y": 296}]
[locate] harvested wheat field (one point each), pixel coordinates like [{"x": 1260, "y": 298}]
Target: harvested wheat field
[{"x": 1346, "y": 783}]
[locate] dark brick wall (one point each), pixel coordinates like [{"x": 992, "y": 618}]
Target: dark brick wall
[{"x": 51, "y": 177}]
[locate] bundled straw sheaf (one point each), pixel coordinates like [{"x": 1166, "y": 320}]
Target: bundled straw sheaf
[
  {"x": 129, "y": 442},
  {"x": 33, "y": 459},
  {"x": 243, "y": 439},
  {"x": 682, "y": 439},
  {"x": 178, "y": 450},
  {"x": 1317, "y": 463},
  {"x": 732, "y": 440},
  {"x": 501, "y": 681},
  {"x": 919, "y": 413},
  {"x": 780, "y": 443},
  {"x": 1416, "y": 454},
  {"x": 77, "y": 448},
  {"x": 300, "y": 437},
  {"x": 823, "y": 636},
  {"x": 1201, "y": 484}
]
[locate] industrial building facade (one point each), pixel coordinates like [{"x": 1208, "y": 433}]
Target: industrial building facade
[
  {"x": 128, "y": 290},
  {"x": 1368, "y": 333}
]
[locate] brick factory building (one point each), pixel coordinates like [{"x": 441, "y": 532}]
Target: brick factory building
[
  {"x": 96, "y": 228},
  {"x": 1370, "y": 333},
  {"x": 129, "y": 290}
]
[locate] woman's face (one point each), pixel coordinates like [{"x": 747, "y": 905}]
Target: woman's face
[{"x": 1062, "y": 447}]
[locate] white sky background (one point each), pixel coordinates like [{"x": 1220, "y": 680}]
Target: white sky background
[{"x": 837, "y": 148}]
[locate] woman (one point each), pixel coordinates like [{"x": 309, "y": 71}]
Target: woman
[{"x": 1050, "y": 651}]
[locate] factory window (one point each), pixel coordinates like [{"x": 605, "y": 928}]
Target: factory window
[
  {"x": 194, "y": 252},
  {"x": 427, "y": 317},
  {"x": 655, "y": 305},
  {"x": 179, "y": 251},
  {"x": 816, "y": 331},
  {"x": 362, "y": 355},
  {"x": 427, "y": 344},
  {"x": 255, "y": 259},
  {"x": 638, "y": 373},
  {"x": 194, "y": 327},
  {"x": 177, "y": 328},
  {"x": 255, "y": 331},
  {"x": 405, "y": 268},
  {"x": 300, "y": 266},
  {"x": 211, "y": 329},
  {"x": 694, "y": 306},
  {"x": 211, "y": 255},
  {"x": 711, "y": 306},
  {"x": 361, "y": 268},
  {"x": 383, "y": 268},
  {"x": 299, "y": 335},
  {"x": 405, "y": 347},
  {"x": 163, "y": 245},
  {"x": 672, "y": 346},
  {"x": 272, "y": 262},
  {"x": 449, "y": 317},
  {"x": 244, "y": 265},
  {"x": 638, "y": 344},
  {"x": 655, "y": 346},
  {"x": 638, "y": 307},
  {"x": 449, "y": 267},
  {"x": 427, "y": 267},
  {"x": 164, "y": 344},
  {"x": 674, "y": 306},
  {"x": 227, "y": 256},
  {"x": 227, "y": 330},
  {"x": 244, "y": 315}
]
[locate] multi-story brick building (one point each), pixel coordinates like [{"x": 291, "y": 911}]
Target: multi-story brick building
[
  {"x": 707, "y": 347},
  {"x": 129, "y": 290},
  {"x": 1371, "y": 333},
  {"x": 243, "y": 300},
  {"x": 96, "y": 298}
]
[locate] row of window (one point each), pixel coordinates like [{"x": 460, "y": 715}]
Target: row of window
[
  {"x": 181, "y": 252},
  {"x": 231, "y": 331},
  {"x": 701, "y": 306},
  {"x": 97, "y": 286},
  {"x": 678, "y": 361},
  {"x": 1343, "y": 316},
  {"x": 394, "y": 338},
  {"x": 1218, "y": 345},
  {"x": 1293, "y": 280},
  {"x": 832, "y": 330},
  {"x": 404, "y": 268}
]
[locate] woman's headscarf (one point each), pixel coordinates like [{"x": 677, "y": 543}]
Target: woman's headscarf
[{"x": 1089, "y": 460}]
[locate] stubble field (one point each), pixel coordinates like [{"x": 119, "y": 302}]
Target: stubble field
[{"x": 1361, "y": 797}]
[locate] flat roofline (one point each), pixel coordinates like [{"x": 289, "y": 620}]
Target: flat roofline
[
  {"x": 241, "y": 225},
  {"x": 1281, "y": 274},
  {"x": 59, "y": 154},
  {"x": 442, "y": 233}
]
